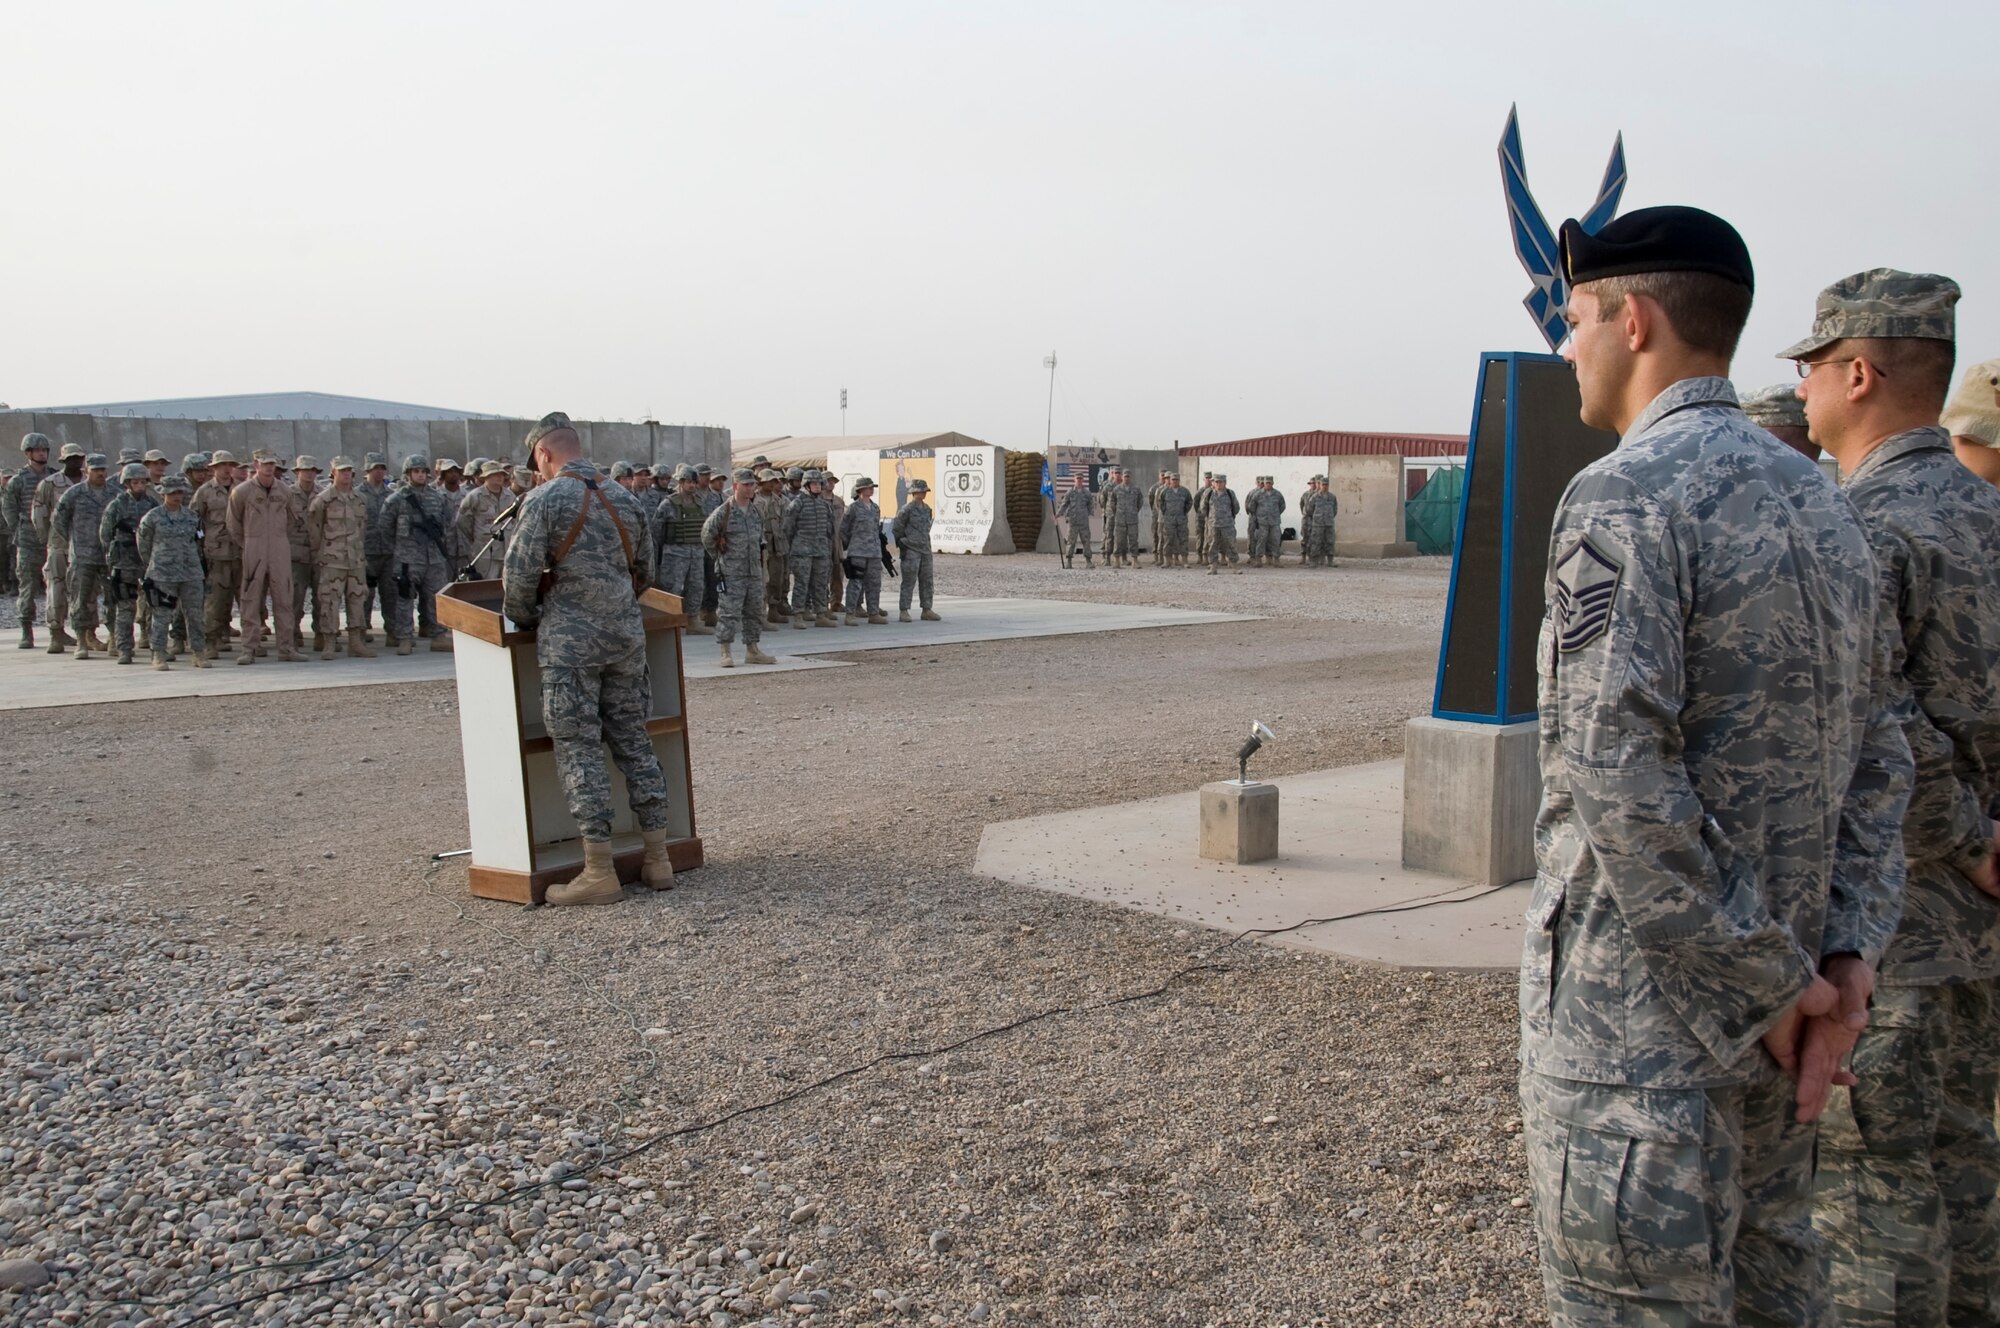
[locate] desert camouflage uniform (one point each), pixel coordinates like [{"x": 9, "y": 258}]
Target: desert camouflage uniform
[
  {"x": 1723, "y": 784},
  {"x": 474, "y": 523},
  {"x": 1908, "y": 1161},
  {"x": 170, "y": 550},
  {"x": 860, "y": 535},
  {"x": 118, "y": 535},
  {"x": 337, "y": 527},
  {"x": 1075, "y": 512},
  {"x": 1200, "y": 521},
  {"x": 225, "y": 560},
  {"x": 1173, "y": 506},
  {"x": 590, "y": 643},
  {"x": 809, "y": 535},
  {"x": 419, "y": 560},
  {"x": 677, "y": 526},
  {"x": 739, "y": 570},
  {"x": 1153, "y": 510},
  {"x": 1218, "y": 526},
  {"x": 30, "y": 550},
  {"x": 1266, "y": 508},
  {"x": 75, "y": 524},
  {"x": 776, "y": 570},
  {"x": 911, "y": 530}
]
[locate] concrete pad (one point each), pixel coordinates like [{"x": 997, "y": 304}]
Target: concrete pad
[
  {"x": 33, "y": 678},
  {"x": 1340, "y": 852}
]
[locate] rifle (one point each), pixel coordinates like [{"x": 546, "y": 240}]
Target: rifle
[
  {"x": 157, "y": 597},
  {"x": 888, "y": 563},
  {"x": 432, "y": 532}
]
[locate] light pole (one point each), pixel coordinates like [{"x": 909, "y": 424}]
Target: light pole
[{"x": 843, "y": 412}]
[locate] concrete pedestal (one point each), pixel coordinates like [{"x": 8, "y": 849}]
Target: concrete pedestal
[
  {"x": 1239, "y": 822},
  {"x": 1470, "y": 793}
]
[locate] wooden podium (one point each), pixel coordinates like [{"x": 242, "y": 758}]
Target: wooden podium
[{"x": 523, "y": 837}]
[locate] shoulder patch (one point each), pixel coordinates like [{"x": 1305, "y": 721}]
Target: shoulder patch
[{"x": 1586, "y": 585}]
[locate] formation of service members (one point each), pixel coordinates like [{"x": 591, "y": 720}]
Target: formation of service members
[
  {"x": 1760, "y": 987},
  {"x": 1204, "y": 521}
]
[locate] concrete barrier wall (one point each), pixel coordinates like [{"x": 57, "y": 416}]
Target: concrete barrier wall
[
  {"x": 325, "y": 439},
  {"x": 1370, "y": 489}
]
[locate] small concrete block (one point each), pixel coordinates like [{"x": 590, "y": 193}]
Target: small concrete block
[
  {"x": 1239, "y": 822},
  {"x": 1470, "y": 794}
]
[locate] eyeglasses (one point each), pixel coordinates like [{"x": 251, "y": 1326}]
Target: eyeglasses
[{"x": 1805, "y": 367}]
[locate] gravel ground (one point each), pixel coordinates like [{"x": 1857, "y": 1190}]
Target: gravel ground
[{"x": 254, "y": 1025}]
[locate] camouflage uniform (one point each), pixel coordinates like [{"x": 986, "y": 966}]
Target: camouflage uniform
[
  {"x": 75, "y": 525},
  {"x": 225, "y": 560},
  {"x": 1218, "y": 526},
  {"x": 474, "y": 524},
  {"x": 337, "y": 527},
  {"x": 414, "y": 520},
  {"x": 1908, "y": 1160},
  {"x": 170, "y": 547},
  {"x": 739, "y": 572},
  {"x": 677, "y": 524},
  {"x": 1266, "y": 508},
  {"x": 776, "y": 570},
  {"x": 836, "y": 507},
  {"x": 860, "y": 534},
  {"x": 710, "y": 500},
  {"x": 30, "y": 552},
  {"x": 809, "y": 535},
  {"x": 1320, "y": 525},
  {"x": 302, "y": 559},
  {"x": 381, "y": 581},
  {"x": 55, "y": 567},
  {"x": 1121, "y": 522},
  {"x": 1723, "y": 785},
  {"x": 590, "y": 642},
  {"x": 1075, "y": 512},
  {"x": 118, "y": 535},
  {"x": 1202, "y": 497},
  {"x": 911, "y": 530},
  {"x": 1173, "y": 506},
  {"x": 1153, "y": 511}
]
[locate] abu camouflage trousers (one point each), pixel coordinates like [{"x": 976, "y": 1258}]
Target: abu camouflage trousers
[
  {"x": 1221, "y": 546},
  {"x": 86, "y": 583},
  {"x": 587, "y": 710},
  {"x": 185, "y": 616},
  {"x": 416, "y": 617},
  {"x": 1121, "y": 539},
  {"x": 1909, "y": 1163},
  {"x": 1669, "y": 1207},
  {"x": 1266, "y": 541},
  {"x": 28, "y": 560},
  {"x": 739, "y": 607},
  {"x": 680, "y": 573},
  {"x": 1173, "y": 537},
  {"x": 812, "y": 584},
  {"x": 1079, "y": 540},
  {"x": 916, "y": 579},
  {"x": 864, "y": 592}
]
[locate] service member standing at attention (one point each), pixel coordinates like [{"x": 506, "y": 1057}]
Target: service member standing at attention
[
  {"x": 78, "y": 512},
  {"x": 1075, "y": 513},
  {"x": 1325, "y": 513},
  {"x": 1266, "y": 509},
  {"x": 118, "y": 536},
  {"x": 477, "y": 512},
  {"x": 55, "y": 571},
  {"x": 170, "y": 549},
  {"x": 419, "y": 558},
  {"x": 305, "y": 487},
  {"x": 861, "y": 536},
  {"x": 1173, "y": 506},
  {"x": 677, "y": 526},
  {"x": 375, "y": 492},
  {"x": 587, "y": 540},
  {"x": 260, "y": 521},
  {"x": 809, "y": 535},
  {"x": 1723, "y": 784},
  {"x": 837, "y": 574},
  {"x": 911, "y": 531},
  {"x": 337, "y": 527},
  {"x": 734, "y": 537},
  {"x": 1218, "y": 523},
  {"x": 29, "y": 551},
  {"x": 224, "y": 555},
  {"x": 1908, "y": 1161},
  {"x": 1153, "y": 515},
  {"x": 777, "y": 574}
]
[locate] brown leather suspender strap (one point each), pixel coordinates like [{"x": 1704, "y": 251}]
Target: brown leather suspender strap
[{"x": 561, "y": 551}]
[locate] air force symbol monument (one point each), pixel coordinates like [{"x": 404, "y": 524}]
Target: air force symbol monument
[{"x": 1471, "y": 786}]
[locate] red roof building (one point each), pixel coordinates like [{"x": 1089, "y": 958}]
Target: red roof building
[{"x": 1337, "y": 442}]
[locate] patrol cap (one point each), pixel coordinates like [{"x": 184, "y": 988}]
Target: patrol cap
[
  {"x": 417, "y": 461},
  {"x": 1656, "y": 239},
  {"x": 918, "y": 486},
  {"x": 1775, "y": 407},
  {"x": 155, "y": 455},
  {"x": 446, "y": 463},
  {"x": 374, "y": 459},
  {"x": 1218, "y": 475},
  {"x": 1881, "y": 302},
  {"x": 176, "y": 484},
  {"x": 31, "y": 441},
  {"x": 1974, "y": 410},
  {"x": 745, "y": 476},
  {"x": 621, "y": 470},
  {"x": 96, "y": 461},
  {"x": 134, "y": 470},
  {"x": 794, "y": 473},
  {"x": 343, "y": 463},
  {"x": 70, "y": 450},
  {"x": 553, "y": 422},
  {"x": 222, "y": 458},
  {"x": 306, "y": 463},
  {"x": 491, "y": 468}
]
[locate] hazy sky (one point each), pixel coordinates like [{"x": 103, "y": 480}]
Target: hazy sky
[{"x": 1226, "y": 220}]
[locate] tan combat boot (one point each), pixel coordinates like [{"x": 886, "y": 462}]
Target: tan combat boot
[
  {"x": 928, "y": 616},
  {"x": 696, "y": 627},
  {"x": 657, "y": 872},
  {"x": 199, "y": 660},
  {"x": 405, "y": 647},
  {"x": 159, "y": 661},
  {"x": 728, "y": 660},
  {"x": 878, "y": 619},
  {"x": 826, "y": 620},
  {"x": 799, "y": 622},
  {"x": 357, "y": 644},
  {"x": 753, "y": 655},
  {"x": 597, "y": 883},
  {"x": 850, "y": 619},
  {"x": 324, "y": 644},
  {"x": 902, "y": 615},
  {"x": 441, "y": 644},
  {"x": 246, "y": 657}
]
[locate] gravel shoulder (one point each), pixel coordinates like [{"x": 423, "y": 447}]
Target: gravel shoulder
[{"x": 256, "y": 1024}]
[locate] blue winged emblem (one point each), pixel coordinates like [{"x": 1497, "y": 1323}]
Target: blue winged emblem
[{"x": 1534, "y": 242}]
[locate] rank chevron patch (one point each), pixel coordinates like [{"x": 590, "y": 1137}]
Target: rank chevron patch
[{"x": 1586, "y": 584}]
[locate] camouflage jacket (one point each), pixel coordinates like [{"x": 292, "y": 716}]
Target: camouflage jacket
[
  {"x": 301, "y": 540},
  {"x": 1324, "y": 508},
  {"x": 75, "y": 523},
  {"x": 1935, "y": 528},
  {"x": 337, "y": 529},
  {"x": 590, "y": 615},
  {"x": 1219, "y": 512},
  {"x": 809, "y": 526},
  {"x": 42, "y": 511},
  {"x": 170, "y": 545},
  {"x": 211, "y": 508},
  {"x": 118, "y": 530},
  {"x": 770, "y": 509},
  {"x": 17, "y": 502},
  {"x": 379, "y": 539},
  {"x": 1265, "y": 506},
  {"x": 1122, "y": 503},
  {"x": 473, "y": 523},
  {"x": 411, "y": 544},
  {"x": 911, "y": 528},
  {"x": 742, "y": 530},
  {"x": 1075, "y": 508},
  {"x": 860, "y": 530},
  {"x": 1174, "y": 505},
  {"x": 1723, "y": 777}
]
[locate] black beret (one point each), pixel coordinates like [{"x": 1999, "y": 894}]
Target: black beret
[{"x": 1656, "y": 239}]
